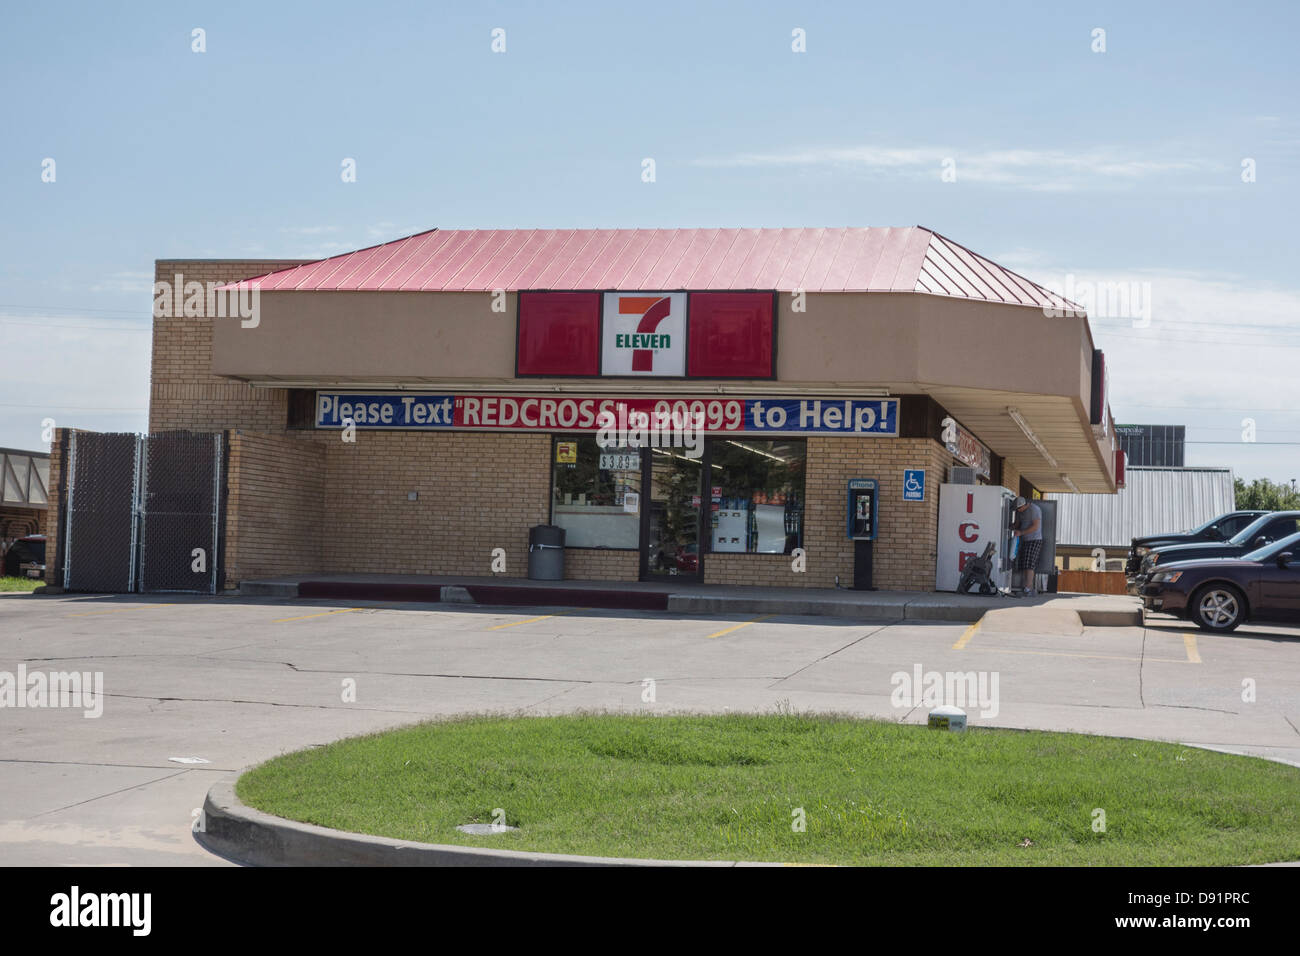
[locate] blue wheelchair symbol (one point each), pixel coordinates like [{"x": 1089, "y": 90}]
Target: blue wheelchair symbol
[{"x": 914, "y": 484}]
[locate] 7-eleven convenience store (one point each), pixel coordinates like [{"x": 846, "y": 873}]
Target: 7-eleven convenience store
[{"x": 418, "y": 406}]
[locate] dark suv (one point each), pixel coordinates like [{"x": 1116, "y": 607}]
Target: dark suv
[
  {"x": 1216, "y": 529},
  {"x": 1264, "y": 530}
]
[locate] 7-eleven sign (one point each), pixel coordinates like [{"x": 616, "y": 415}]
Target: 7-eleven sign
[{"x": 644, "y": 334}]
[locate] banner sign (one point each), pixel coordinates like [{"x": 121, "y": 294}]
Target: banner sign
[{"x": 872, "y": 417}]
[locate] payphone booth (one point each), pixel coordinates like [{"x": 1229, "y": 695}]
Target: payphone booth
[{"x": 862, "y": 526}]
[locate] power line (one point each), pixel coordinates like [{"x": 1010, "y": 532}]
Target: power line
[
  {"x": 55, "y": 325},
  {"x": 1232, "y": 343},
  {"x": 75, "y": 308},
  {"x": 1263, "y": 327},
  {"x": 73, "y": 408},
  {"x": 1220, "y": 408}
]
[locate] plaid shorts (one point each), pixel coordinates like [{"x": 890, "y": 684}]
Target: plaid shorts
[{"x": 1027, "y": 559}]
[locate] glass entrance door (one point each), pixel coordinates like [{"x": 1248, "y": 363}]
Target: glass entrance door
[{"x": 670, "y": 529}]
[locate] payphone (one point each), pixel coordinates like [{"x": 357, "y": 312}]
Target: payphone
[{"x": 862, "y": 524}]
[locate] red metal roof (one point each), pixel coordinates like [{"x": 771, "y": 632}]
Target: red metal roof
[{"x": 875, "y": 259}]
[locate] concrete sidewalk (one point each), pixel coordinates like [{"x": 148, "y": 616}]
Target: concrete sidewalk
[{"x": 1069, "y": 610}]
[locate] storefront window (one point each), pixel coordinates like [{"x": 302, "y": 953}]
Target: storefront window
[
  {"x": 757, "y": 495},
  {"x": 596, "y": 493}
]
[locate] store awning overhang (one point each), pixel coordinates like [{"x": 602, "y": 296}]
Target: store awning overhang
[{"x": 1056, "y": 449}]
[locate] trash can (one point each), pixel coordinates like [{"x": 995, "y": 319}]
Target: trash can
[{"x": 546, "y": 553}]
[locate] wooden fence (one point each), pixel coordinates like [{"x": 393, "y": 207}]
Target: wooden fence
[{"x": 1091, "y": 582}]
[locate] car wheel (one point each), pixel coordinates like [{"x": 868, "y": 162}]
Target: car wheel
[{"x": 1219, "y": 607}]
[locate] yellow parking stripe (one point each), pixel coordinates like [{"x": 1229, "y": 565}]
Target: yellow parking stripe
[
  {"x": 1091, "y": 657},
  {"x": 119, "y": 610},
  {"x": 1193, "y": 654},
  {"x": 967, "y": 635},
  {"x": 736, "y": 627},
  {"x": 531, "y": 620},
  {"x": 342, "y": 610}
]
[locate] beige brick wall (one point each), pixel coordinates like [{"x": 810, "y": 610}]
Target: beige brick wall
[
  {"x": 1010, "y": 477},
  {"x": 475, "y": 492},
  {"x": 588, "y": 564},
  {"x": 275, "y": 517},
  {"x": 53, "y": 573},
  {"x": 184, "y": 394}
]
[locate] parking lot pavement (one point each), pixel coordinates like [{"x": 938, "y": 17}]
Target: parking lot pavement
[{"x": 235, "y": 681}]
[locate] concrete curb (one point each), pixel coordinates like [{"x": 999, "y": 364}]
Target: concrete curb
[
  {"x": 237, "y": 832},
  {"x": 1099, "y": 617},
  {"x": 267, "y": 589},
  {"x": 923, "y": 607},
  {"x": 244, "y": 835},
  {"x": 695, "y": 604}
]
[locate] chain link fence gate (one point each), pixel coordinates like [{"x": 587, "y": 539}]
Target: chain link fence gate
[
  {"x": 180, "y": 508},
  {"x": 143, "y": 512},
  {"x": 99, "y": 543}
]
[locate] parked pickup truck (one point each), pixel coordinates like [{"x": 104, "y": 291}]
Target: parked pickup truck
[
  {"x": 1215, "y": 530},
  {"x": 1264, "y": 530}
]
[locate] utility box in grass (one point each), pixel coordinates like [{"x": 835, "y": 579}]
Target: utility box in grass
[{"x": 948, "y": 717}]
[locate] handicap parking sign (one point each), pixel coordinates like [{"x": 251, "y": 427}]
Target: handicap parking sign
[{"x": 913, "y": 484}]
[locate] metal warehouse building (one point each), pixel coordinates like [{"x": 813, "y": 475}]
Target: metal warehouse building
[
  {"x": 418, "y": 406},
  {"x": 1152, "y": 501}
]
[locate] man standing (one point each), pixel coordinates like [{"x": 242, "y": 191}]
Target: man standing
[{"x": 1029, "y": 529}]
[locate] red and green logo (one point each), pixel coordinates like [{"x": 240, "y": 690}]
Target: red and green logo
[{"x": 653, "y": 309}]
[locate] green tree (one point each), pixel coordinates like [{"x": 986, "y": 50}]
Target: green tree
[{"x": 1264, "y": 495}]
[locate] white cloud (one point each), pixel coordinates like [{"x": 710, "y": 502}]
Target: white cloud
[
  {"x": 1218, "y": 349},
  {"x": 94, "y": 376},
  {"x": 125, "y": 282},
  {"x": 310, "y": 230},
  {"x": 1035, "y": 169}
]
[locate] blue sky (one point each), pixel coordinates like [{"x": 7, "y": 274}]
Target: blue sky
[{"x": 1071, "y": 165}]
